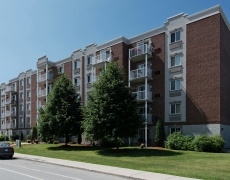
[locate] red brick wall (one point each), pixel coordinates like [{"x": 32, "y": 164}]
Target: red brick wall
[
  {"x": 68, "y": 69},
  {"x": 33, "y": 99},
  {"x": 224, "y": 73},
  {"x": 158, "y": 82},
  {"x": 203, "y": 71}
]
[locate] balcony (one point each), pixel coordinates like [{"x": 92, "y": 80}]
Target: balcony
[
  {"x": 8, "y": 101},
  {"x": 140, "y": 96},
  {"x": 41, "y": 106},
  {"x": 13, "y": 125},
  {"x": 3, "y": 115},
  {"x": 11, "y": 89},
  {"x": 100, "y": 60},
  {"x": 42, "y": 77},
  {"x": 138, "y": 75},
  {"x": 6, "y": 126},
  {"x": 149, "y": 118},
  {"x": 8, "y": 113},
  {"x": 13, "y": 102},
  {"x": 42, "y": 93},
  {"x": 3, "y": 104},
  {"x": 11, "y": 113},
  {"x": 138, "y": 53}
]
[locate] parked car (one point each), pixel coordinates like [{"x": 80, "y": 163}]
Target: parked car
[{"x": 6, "y": 150}]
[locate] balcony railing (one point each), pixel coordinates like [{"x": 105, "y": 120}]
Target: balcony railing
[
  {"x": 6, "y": 126},
  {"x": 149, "y": 118},
  {"x": 3, "y": 115},
  {"x": 10, "y": 88},
  {"x": 42, "y": 93},
  {"x": 138, "y": 73},
  {"x": 140, "y": 95},
  {"x": 13, "y": 113},
  {"x": 139, "y": 50},
  {"x": 41, "y": 77},
  {"x": 8, "y": 101},
  {"x": 8, "y": 113},
  {"x": 102, "y": 58}
]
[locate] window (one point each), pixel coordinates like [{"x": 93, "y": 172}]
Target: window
[
  {"x": 60, "y": 69},
  {"x": 105, "y": 55},
  {"x": 21, "y": 95},
  {"x": 28, "y": 80},
  {"x": 21, "y": 108},
  {"x": 49, "y": 88},
  {"x": 175, "y": 108},
  {"x": 77, "y": 81},
  {"x": 175, "y": 36},
  {"x": 76, "y": 64},
  {"x": 89, "y": 78},
  {"x": 174, "y": 129},
  {"x": 28, "y": 94},
  {"x": 175, "y": 61},
  {"x": 28, "y": 106},
  {"x": 175, "y": 85},
  {"x": 21, "y": 82},
  {"x": 89, "y": 60}
]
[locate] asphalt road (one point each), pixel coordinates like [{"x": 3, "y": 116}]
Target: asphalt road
[{"x": 20, "y": 169}]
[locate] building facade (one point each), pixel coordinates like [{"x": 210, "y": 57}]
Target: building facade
[{"x": 179, "y": 73}]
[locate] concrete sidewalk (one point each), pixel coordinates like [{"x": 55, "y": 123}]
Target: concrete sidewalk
[{"x": 123, "y": 172}]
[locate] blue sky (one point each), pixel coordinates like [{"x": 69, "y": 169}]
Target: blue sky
[{"x": 30, "y": 29}]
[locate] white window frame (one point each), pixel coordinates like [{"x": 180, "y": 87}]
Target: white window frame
[
  {"x": 177, "y": 35},
  {"x": 77, "y": 81},
  {"x": 60, "y": 69},
  {"x": 28, "y": 94},
  {"x": 176, "y": 110},
  {"x": 89, "y": 60},
  {"x": 91, "y": 78},
  {"x": 177, "y": 85},
  {"x": 176, "y": 129},
  {"x": 28, "y": 106},
  {"x": 28, "y": 80},
  {"x": 176, "y": 59},
  {"x": 77, "y": 64}
]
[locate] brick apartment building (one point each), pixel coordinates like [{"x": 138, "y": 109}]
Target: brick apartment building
[{"x": 179, "y": 71}]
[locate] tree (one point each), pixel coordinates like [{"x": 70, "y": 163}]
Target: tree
[
  {"x": 112, "y": 111},
  {"x": 34, "y": 133},
  {"x": 160, "y": 133},
  {"x": 62, "y": 113}
]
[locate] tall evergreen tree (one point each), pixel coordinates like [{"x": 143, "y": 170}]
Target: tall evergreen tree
[
  {"x": 112, "y": 110},
  {"x": 62, "y": 113},
  {"x": 160, "y": 133}
]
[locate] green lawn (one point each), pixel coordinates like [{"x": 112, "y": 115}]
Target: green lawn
[{"x": 181, "y": 163}]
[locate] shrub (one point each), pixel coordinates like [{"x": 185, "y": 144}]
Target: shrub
[
  {"x": 217, "y": 143},
  {"x": 14, "y": 137},
  {"x": 177, "y": 141},
  {"x": 204, "y": 143}
]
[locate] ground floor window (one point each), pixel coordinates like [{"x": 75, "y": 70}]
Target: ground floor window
[{"x": 175, "y": 129}]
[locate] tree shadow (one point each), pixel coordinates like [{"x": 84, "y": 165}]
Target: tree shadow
[
  {"x": 123, "y": 151},
  {"x": 138, "y": 152}
]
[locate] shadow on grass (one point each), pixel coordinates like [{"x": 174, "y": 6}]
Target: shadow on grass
[{"x": 124, "y": 151}]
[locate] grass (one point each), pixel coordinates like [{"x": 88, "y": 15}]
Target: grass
[{"x": 208, "y": 166}]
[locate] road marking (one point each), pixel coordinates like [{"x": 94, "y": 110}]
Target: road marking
[
  {"x": 41, "y": 171},
  {"x": 21, "y": 174}
]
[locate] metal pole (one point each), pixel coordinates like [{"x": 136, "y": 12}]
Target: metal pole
[{"x": 146, "y": 97}]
